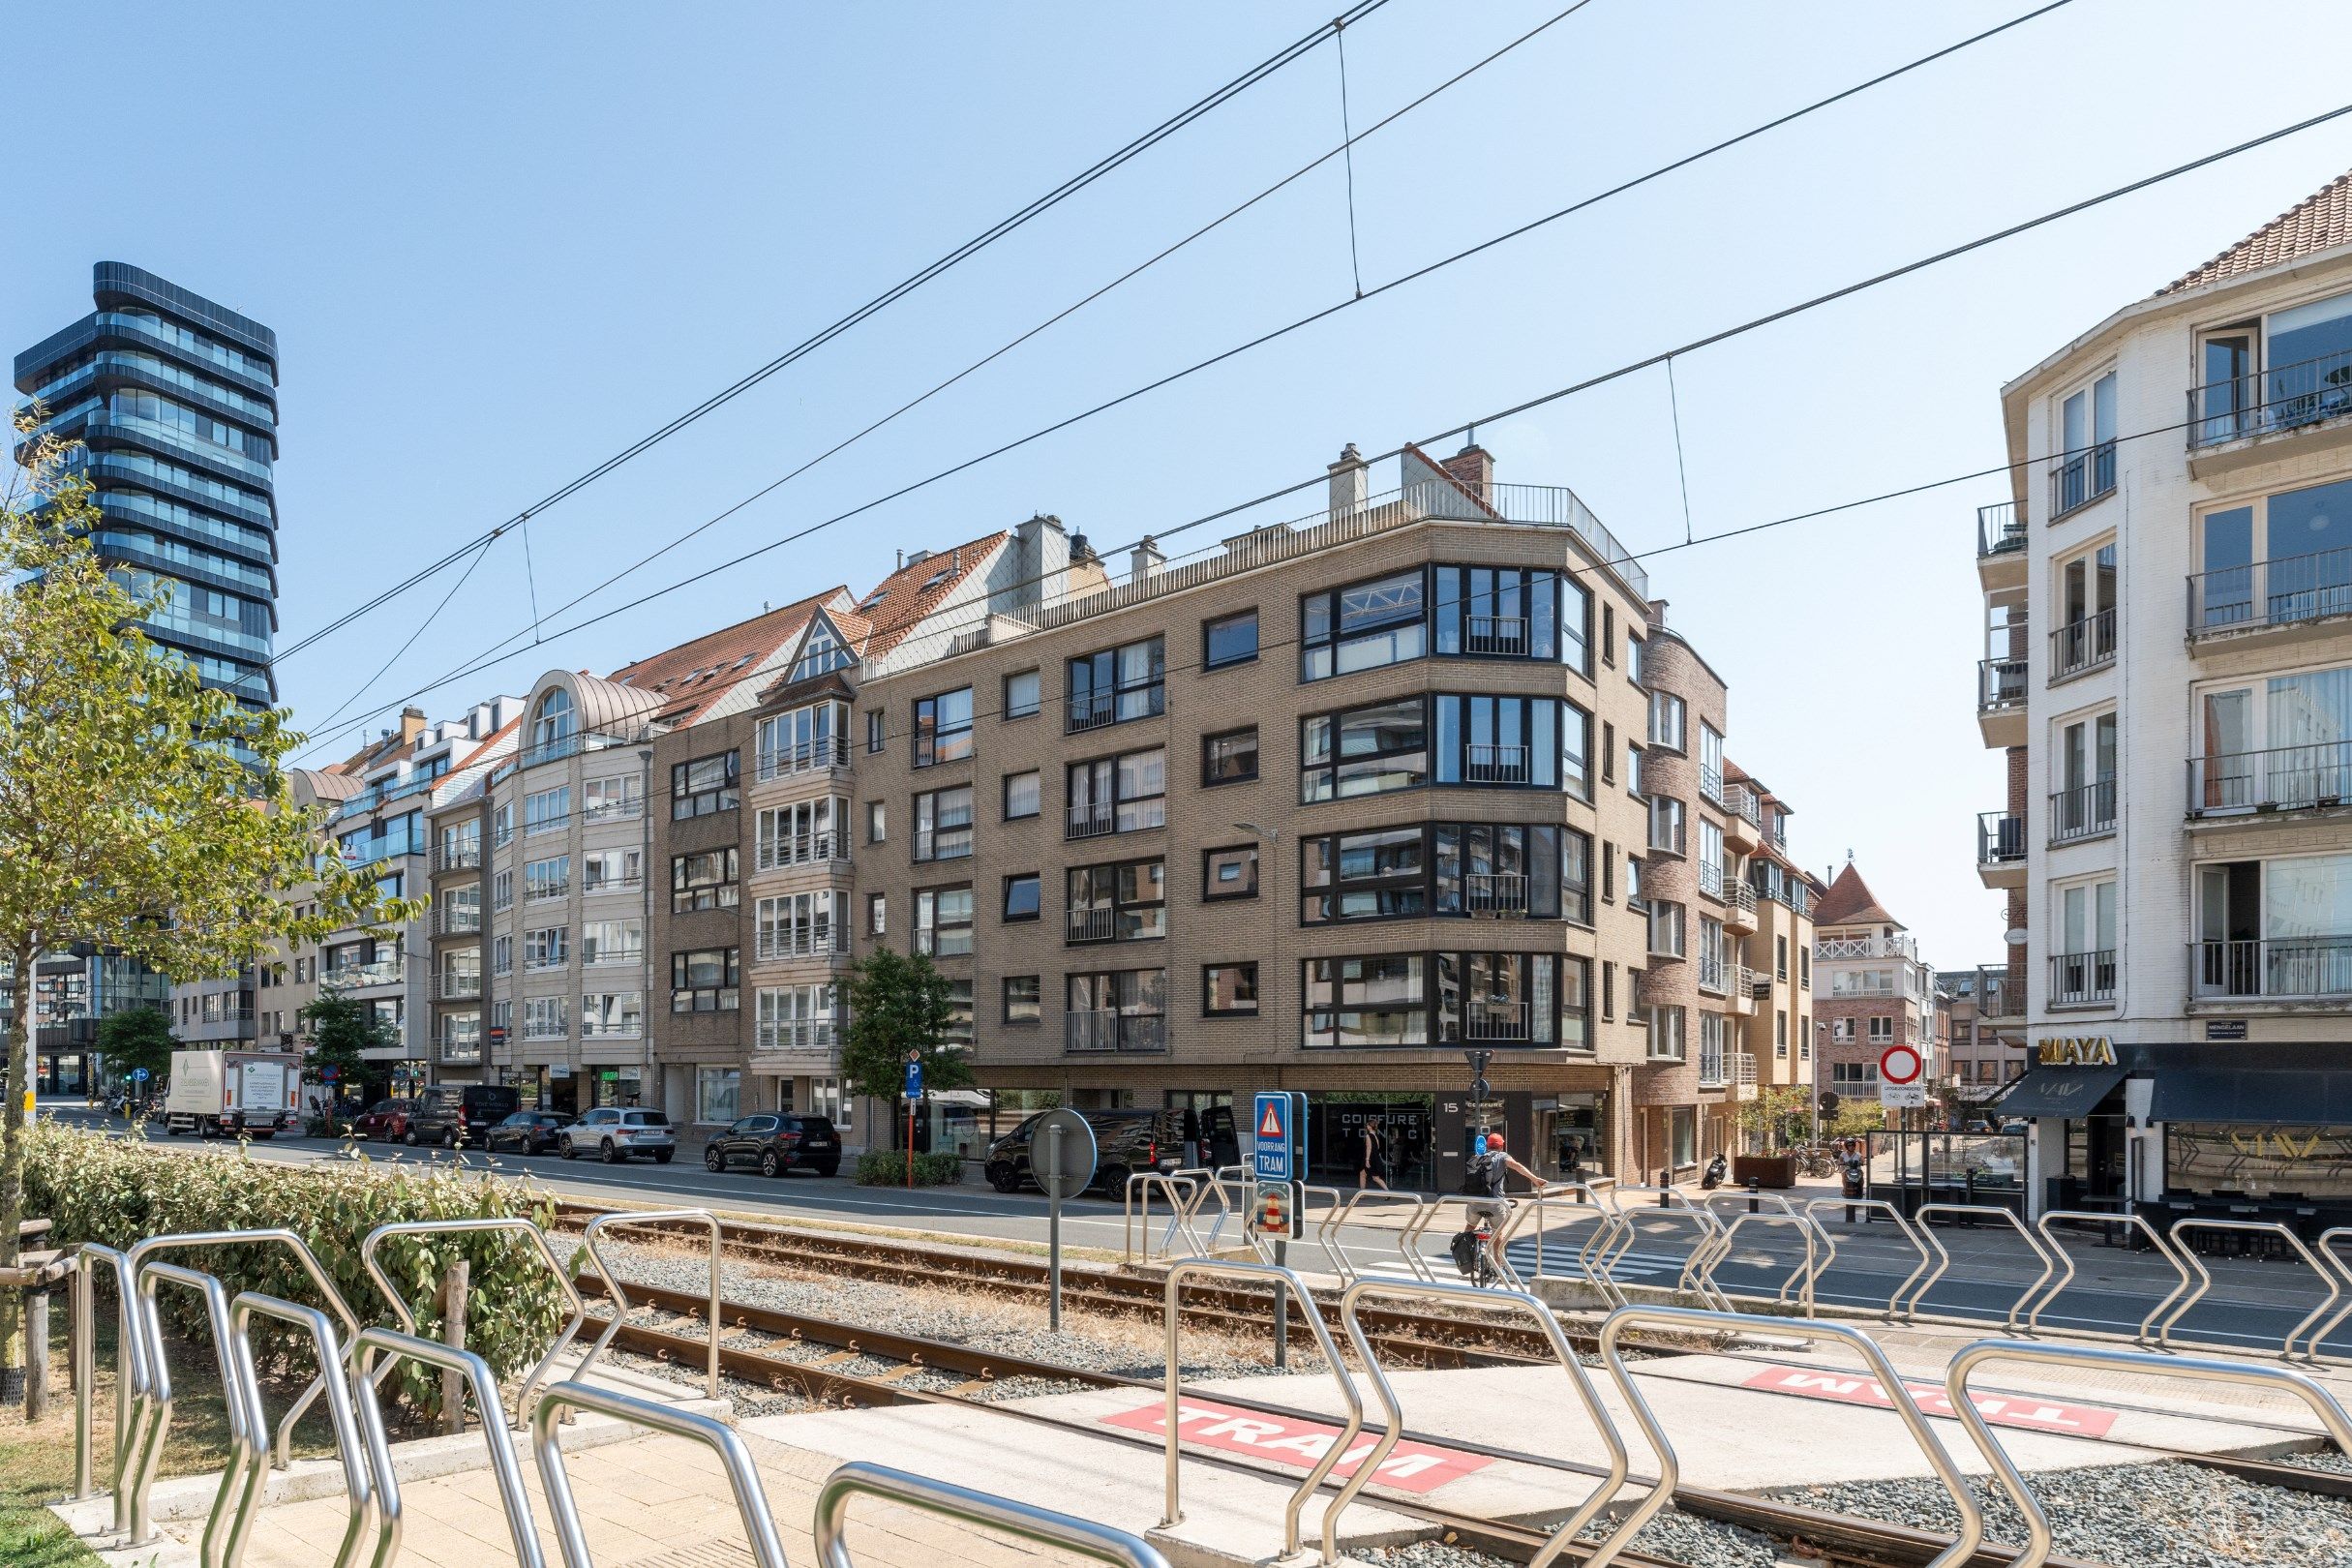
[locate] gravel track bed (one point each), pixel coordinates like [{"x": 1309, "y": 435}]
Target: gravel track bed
[
  {"x": 1675, "y": 1535},
  {"x": 2131, "y": 1516}
]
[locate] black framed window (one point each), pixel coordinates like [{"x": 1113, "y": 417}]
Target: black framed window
[
  {"x": 877, "y": 729},
  {"x": 1021, "y": 999},
  {"x": 703, "y": 786},
  {"x": 1118, "y": 795},
  {"x": 1118, "y": 684},
  {"x": 1364, "y": 626},
  {"x": 942, "y": 727},
  {"x": 1022, "y": 697},
  {"x": 1360, "y": 751},
  {"x": 1021, "y": 795},
  {"x": 1119, "y": 1010},
  {"x": 1021, "y": 898},
  {"x": 1117, "y": 903},
  {"x": 943, "y": 823},
  {"x": 1499, "y": 998},
  {"x": 1370, "y": 1002},
  {"x": 1532, "y": 1000},
  {"x": 943, "y": 921},
  {"x": 1535, "y": 870},
  {"x": 704, "y": 980},
  {"x": 1228, "y": 990},
  {"x": 705, "y": 880},
  {"x": 1534, "y": 743},
  {"x": 1229, "y": 756},
  {"x": 1229, "y": 640},
  {"x": 1512, "y": 613},
  {"x": 1382, "y": 873},
  {"x": 1228, "y": 873}
]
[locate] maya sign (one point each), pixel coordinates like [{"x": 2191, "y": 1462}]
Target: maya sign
[
  {"x": 2030, "y": 1411},
  {"x": 2082, "y": 1050},
  {"x": 1289, "y": 1441}
]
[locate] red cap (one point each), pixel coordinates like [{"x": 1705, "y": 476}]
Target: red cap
[{"x": 1494, "y": 1139}]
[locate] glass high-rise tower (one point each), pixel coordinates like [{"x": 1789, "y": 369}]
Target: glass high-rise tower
[{"x": 174, "y": 400}]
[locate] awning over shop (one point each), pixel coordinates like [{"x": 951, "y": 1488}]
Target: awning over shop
[
  {"x": 2056, "y": 1091},
  {"x": 2253, "y": 1095}
]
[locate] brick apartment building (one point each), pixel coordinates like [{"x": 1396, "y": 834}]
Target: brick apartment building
[{"x": 1873, "y": 989}]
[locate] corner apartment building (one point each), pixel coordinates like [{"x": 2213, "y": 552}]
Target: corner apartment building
[
  {"x": 2177, "y": 835},
  {"x": 1875, "y": 989},
  {"x": 1983, "y": 1055},
  {"x": 1326, "y": 808}
]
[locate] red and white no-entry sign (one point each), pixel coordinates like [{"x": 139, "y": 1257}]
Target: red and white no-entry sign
[{"x": 1899, "y": 1064}]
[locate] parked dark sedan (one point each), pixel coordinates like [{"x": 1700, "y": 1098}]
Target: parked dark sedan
[
  {"x": 386, "y": 1119},
  {"x": 777, "y": 1144},
  {"x": 530, "y": 1132}
]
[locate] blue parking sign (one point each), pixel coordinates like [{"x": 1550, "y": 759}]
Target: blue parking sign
[
  {"x": 914, "y": 1077},
  {"x": 1273, "y": 1137}
]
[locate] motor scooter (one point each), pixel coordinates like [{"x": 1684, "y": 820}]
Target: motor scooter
[{"x": 1716, "y": 1171}]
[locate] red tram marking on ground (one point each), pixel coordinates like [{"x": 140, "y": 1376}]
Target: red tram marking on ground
[
  {"x": 1295, "y": 1441},
  {"x": 2027, "y": 1410}
]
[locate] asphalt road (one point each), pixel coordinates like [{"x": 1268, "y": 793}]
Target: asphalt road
[{"x": 2251, "y": 1303}]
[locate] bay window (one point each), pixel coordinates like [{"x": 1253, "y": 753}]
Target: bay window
[
  {"x": 1118, "y": 684},
  {"x": 1117, "y": 795},
  {"x": 943, "y": 728}
]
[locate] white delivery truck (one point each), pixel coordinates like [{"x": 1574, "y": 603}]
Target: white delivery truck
[{"x": 222, "y": 1094}]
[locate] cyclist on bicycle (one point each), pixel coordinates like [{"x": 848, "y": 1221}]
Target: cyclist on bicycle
[{"x": 1492, "y": 1170}]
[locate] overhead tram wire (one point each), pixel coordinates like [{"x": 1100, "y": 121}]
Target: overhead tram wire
[
  {"x": 1723, "y": 335},
  {"x": 1058, "y": 316},
  {"x": 491, "y": 656},
  {"x": 1003, "y": 226}
]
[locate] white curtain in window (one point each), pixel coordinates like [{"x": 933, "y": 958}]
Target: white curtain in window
[{"x": 2311, "y": 896}]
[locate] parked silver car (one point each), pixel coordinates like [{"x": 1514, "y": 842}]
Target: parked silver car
[{"x": 613, "y": 1134}]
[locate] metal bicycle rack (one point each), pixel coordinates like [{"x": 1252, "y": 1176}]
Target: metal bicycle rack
[
  {"x": 1537, "y": 1208},
  {"x": 1669, "y": 1468},
  {"x": 2325, "y": 1247},
  {"x": 1603, "y": 1423},
  {"x": 2037, "y": 1549},
  {"x": 1284, "y": 1280},
  {"x": 742, "y": 1475},
  {"x": 1322, "y": 1237},
  {"x": 407, "y": 1315},
  {"x": 1408, "y": 1240},
  {"x": 1670, "y": 1202},
  {"x": 1338, "y": 1218},
  {"x": 276, "y": 1236},
  {"x": 1800, "y": 1279},
  {"x": 2205, "y": 1280},
  {"x": 512, "y": 1494},
  {"x": 152, "y": 1418},
  {"x": 248, "y": 1467},
  {"x": 616, "y": 1219},
  {"x": 2065, "y": 1264},
  {"x": 1179, "y": 1190},
  {"x": 1902, "y": 1226},
  {"x": 858, "y": 1477},
  {"x": 130, "y": 1372},
  {"x": 1944, "y": 1256}
]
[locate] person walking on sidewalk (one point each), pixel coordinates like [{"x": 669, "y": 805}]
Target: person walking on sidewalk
[{"x": 1372, "y": 1155}]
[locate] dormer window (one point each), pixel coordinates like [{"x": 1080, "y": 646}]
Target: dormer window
[{"x": 552, "y": 724}]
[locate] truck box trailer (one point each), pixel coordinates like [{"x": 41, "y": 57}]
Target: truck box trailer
[{"x": 225, "y": 1094}]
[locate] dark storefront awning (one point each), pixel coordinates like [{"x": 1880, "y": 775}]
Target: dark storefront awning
[
  {"x": 2256, "y": 1096},
  {"x": 2055, "y": 1091}
]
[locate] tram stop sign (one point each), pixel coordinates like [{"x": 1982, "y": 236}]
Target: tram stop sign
[
  {"x": 1274, "y": 1211},
  {"x": 1065, "y": 1172}
]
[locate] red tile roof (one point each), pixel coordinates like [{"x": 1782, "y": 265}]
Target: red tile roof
[
  {"x": 692, "y": 676},
  {"x": 2321, "y": 221},
  {"x": 901, "y": 600},
  {"x": 1851, "y": 902}
]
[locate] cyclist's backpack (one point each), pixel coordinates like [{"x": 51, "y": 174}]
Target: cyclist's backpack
[{"x": 1466, "y": 1244}]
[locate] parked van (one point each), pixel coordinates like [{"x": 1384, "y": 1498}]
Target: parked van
[
  {"x": 453, "y": 1114},
  {"x": 1127, "y": 1142}
]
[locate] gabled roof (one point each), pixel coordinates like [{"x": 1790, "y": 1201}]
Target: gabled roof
[
  {"x": 2321, "y": 221},
  {"x": 1851, "y": 902},
  {"x": 901, "y": 600},
  {"x": 686, "y": 680}
]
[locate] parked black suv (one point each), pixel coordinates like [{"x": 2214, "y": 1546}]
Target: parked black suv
[
  {"x": 529, "y": 1133},
  {"x": 1126, "y": 1142},
  {"x": 452, "y": 1114},
  {"x": 775, "y": 1144}
]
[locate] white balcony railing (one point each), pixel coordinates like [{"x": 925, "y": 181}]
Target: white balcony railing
[
  {"x": 383, "y": 971},
  {"x": 804, "y": 1035},
  {"x": 801, "y": 943},
  {"x": 1494, "y": 893},
  {"x": 801, "y": 849},
  {"x": 813, "y": 757},
  {"x": 1828, "y": 949},
  {"x": 1108, "y": 1030}
]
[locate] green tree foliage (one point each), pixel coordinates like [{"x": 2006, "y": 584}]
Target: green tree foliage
[
  {"x": 898, "y": 1004},
  {"x": 338, "y": 1028},
  {"x": 1780, "y": 1114},
  {"x": 139, "y": 811},
  {"x": 140, "y": 1037}
]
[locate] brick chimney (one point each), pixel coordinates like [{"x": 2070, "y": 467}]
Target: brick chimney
[
  {"x": 411, "y": 724},
  {"x": 1475, "y": 467},
  {"x": 1350, "y": 483}
]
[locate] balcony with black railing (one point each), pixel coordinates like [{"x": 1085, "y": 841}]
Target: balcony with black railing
[
  {"x": 2270, "y": 595},
  {"x": 2282, "y": 969},
  {"x": 2084, "y": 812},
  {"x": 2309, "y": 777},
  {"x": 2000, "y": 531},
  {"x": 2082, "y": 645},
  {"x": 2001, "y": 684},
  {"x": 1506, "y": 636},
  {"x": 2082, "y": 979},
  {"x": 2275, "y": 402},
  {"x": 1501, "y": 893},
  {"x": 1999, "y": 994},
  {"x": 1489, "y": 763},
  {"x": 2081, "y": 477},
  {"x": 2001, "y": 848},
  {"x": 1105, "y": 1030}
]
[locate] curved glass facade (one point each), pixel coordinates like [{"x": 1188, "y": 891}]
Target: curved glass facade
[{"x": 174, "y": 400}]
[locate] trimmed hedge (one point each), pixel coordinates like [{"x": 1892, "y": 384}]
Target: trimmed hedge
[
  {"x": 887, "y": 1167},
  {"x": 120, "y": 1192}
]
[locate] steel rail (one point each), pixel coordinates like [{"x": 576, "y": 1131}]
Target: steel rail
[
  {"x": 1042, "y": 1525},
  {"x": 1669, "y": 1468},
  {"x": 2038, "y": 1541},
  {"x": 767, "y": 1547},
  {"x": 620, "y": 1300},
  {"x": 2065, "y": 1264},
  {"x": 1281, "y": 1280},
  {"x": 1368, "y": 1466},
  {"x": 406, "y": 1315}
]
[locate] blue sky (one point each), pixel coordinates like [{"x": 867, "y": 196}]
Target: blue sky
[{"x": 498, "y": 243}]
